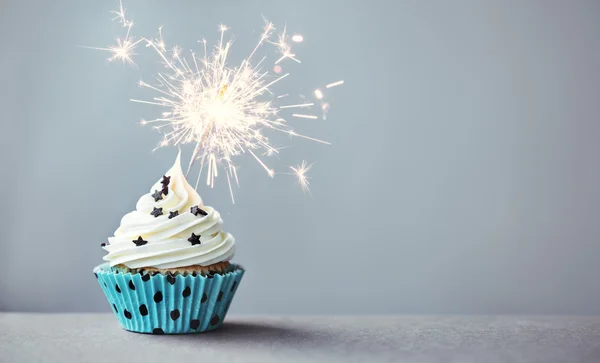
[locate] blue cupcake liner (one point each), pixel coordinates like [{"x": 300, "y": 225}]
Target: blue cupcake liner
[{"x": 169, "y": 304}]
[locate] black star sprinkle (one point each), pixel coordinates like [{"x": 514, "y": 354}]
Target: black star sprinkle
[
  {"x": 166, "y": 180},
  {"x": 157, "y": 195},
  {"x": 173, "y": 214},
  {"x": 139, "y": 241},
  {"x": 156, "y": 212},
  {"x": 195, "y": 240},
  {"x": 165, "y": 190},
  {"x": 195, "y": 210}
]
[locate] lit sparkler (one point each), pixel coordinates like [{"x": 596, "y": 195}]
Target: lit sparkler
[{"x": 222, "y": 109}]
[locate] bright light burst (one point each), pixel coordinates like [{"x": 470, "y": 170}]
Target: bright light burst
[{"x": 222, "y": 109}]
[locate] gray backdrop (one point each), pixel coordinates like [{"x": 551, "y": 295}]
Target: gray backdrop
[{"x": 463, "y": 175}]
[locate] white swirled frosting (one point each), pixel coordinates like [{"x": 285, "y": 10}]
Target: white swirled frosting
[{"x": 167, "y": 240}]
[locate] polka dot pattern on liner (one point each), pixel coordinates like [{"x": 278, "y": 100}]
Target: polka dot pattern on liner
[{"x": 165, "y": 304}]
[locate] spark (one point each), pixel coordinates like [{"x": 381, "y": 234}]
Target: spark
[
  {"x": 271, "y": 172},
  {"x": 220, "y": 108},
  {"x": 312, "y": 117},
  {"x": 123, "y": 50},
  {"x": 299, "y": 105},
  {"x": 230, "y": 189},
  {"x": 318, "y": 94},
  {"x": 335, "y": 84},
  {"x": 158, "y": 42},
  {"x": 273, "y": 151},
  {"x": 294, "y": 133},
  {"x": 284, "y": 48},
  {"x": 125, "y": 46},
  {"x": 120, "y": 14},
  {"x": 325, "y": 110},
  {"x": 300, "y": 173}
]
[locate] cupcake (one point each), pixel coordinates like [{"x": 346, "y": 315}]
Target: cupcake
[{"x": 168, "y": 269}]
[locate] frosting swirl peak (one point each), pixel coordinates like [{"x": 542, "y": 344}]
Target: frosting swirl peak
[{"x": 171, "y": 219}]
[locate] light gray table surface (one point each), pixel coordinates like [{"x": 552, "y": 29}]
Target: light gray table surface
[{"x": 420, "y": 339}]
